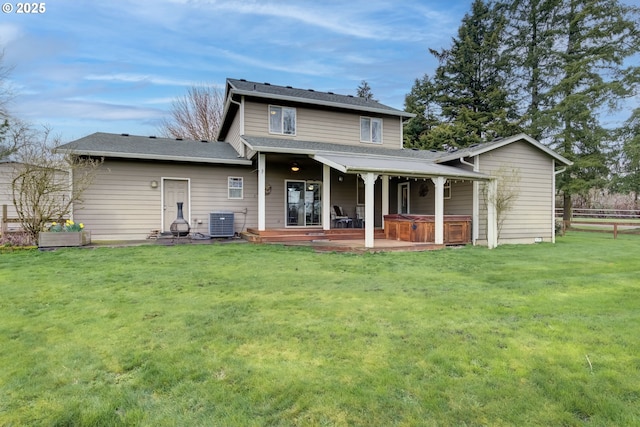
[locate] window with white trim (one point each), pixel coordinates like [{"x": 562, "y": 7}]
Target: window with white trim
[
  {"x": 235, "y": 185},
  {"x": 447, "y": 190},
  {"x": 282, "y": 120},
  {"x": 371, "y": 130}
]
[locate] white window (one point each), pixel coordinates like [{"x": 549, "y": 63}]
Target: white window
[
  {"x": 282, "y": 120},
  {"x": 235, "y": 187},
  {"x": 370, "y": 130},
  {"x": 447, "y": 190}
]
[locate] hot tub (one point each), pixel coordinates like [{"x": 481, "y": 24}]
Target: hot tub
[{"x": 422, "y": 228}]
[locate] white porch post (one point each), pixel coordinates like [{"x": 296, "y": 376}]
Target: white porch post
[
  {"x": 385, "y": 197},
  {"x": 439, "y": 213},
  {"x": 369, "y": 179},
  {"x": 326, "y": 197},
  {"x": 492, "y": 216},
  {"x": 262, "y": 164}
]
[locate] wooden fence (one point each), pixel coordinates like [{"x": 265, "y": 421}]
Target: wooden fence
[
  {"x": 601, "y": 213},
  {"x": 4, "y": 226}
]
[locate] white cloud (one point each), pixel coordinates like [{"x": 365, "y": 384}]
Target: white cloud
[
  {"x": 9, "y": 33},
  {"x": 138, "y": 78}
]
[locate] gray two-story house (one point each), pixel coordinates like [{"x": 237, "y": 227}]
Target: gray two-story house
[{"x": 304, "y": 161}]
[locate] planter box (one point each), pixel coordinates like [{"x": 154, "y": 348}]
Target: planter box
[{"x": 48, "y": 239}]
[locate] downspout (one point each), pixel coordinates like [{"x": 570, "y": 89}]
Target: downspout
[{"x": 475, "y": 229}]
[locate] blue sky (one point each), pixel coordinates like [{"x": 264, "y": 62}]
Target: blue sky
[{"x": 114, "y": 66}]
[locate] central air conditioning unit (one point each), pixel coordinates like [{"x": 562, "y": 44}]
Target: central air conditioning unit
[{"x": 221, "y": 224}]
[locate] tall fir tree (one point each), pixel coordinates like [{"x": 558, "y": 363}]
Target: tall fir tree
[
  {"x": 530, "y": 33},
  {"x": 470, "y": 79},
  {"x": 627, "y": 172},
  {"x": 594, "y": 39},
  {"x": 422, "y": 102}
]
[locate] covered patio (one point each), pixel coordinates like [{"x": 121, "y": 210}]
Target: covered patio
[{"x": 374, "y": 167}]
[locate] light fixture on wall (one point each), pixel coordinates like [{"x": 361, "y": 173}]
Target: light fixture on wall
[
  {"x": 154, "y": 184},
  {"x": 340, "y": 178},
  {"x": 295, "y": 167}
]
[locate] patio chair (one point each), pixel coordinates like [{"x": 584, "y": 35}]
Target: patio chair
[
  {"x": 340, "y": 218},
  {"x": 359, "y": 222}
]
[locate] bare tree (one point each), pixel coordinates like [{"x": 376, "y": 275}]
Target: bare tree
[
  {"x": 507, "y": 192},
  {"x": 196, "y": 115},
  {"x": 45, "y": 185},
  {"x": 7, "y": 146}
]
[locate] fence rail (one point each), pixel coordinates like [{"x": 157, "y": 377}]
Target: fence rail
[{"x": 601, "y": 213}]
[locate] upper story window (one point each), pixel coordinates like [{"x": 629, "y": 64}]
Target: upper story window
[
  {"x": 370, "y": 130},
  {"x": 282, "y": 120},
  {"x": 235, "y": 186}
]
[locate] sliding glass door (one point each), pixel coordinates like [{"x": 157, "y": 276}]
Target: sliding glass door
[{"x": 303, "y": 204}]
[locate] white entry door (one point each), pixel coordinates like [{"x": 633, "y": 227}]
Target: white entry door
[
  {"x": 403, "y": 198},
  {"x": 175, "y": 190}
]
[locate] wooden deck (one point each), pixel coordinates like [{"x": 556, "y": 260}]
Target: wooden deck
[{"x": 334, "y": 240}]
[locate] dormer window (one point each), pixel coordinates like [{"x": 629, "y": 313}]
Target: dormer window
[
  {"x": 282, "y": 120},
  {"x": 371, "y": 130}
]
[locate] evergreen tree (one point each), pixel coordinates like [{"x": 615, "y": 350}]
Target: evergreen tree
[
  {"x": 593, "y": 40},
  {"x": 627, "y": 178},
  {"x": 364, "y": 91},
  {"x": 531, "y": 31},
  {"x": 422, "y": 102},
  {"x": 470, "y": 79}
]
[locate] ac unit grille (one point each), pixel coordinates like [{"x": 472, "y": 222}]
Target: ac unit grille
[{"x": 221, "y": 224}]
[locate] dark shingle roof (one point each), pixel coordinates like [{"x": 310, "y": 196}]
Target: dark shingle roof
[
  {"x": 310, "y": 96},
  {"x": 282, "y": 145},
  {"x": 143, "y": 147},
  {"x": 477, "y": 149}
]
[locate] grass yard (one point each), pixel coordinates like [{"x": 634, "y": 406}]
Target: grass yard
[{"x": 248, "y": 335}]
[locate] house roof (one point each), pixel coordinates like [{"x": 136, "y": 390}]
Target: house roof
[
  {"x": 478, "y": 149},
  {"x": 349, "y": 163},
  {"x": 310, "y": 96},
  {"x": 364, "y": 158},
  {"x": 144, "y": 147},
  {"x": 295, "y": 146}
]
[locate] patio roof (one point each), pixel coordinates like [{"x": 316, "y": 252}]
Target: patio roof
[
  {"x": 295, "y": 146},
  {"x": 366, "y": 158},
  {"x": 395, "y": 166}
]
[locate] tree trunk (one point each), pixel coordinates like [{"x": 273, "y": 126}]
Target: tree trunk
[{"x": 566, "y": 212}]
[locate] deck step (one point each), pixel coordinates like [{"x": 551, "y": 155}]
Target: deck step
[{"x": 306, "y": 235}]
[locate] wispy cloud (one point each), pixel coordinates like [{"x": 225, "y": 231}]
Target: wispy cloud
[{"x": 139, "y": 78}]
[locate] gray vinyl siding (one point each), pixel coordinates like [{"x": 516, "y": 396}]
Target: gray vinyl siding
[
  {"x": 531, "y": 215},
  {"x": 6, "y": 197},
  {"x": 233, "y": 136},
  {"x": 343, "y": 193},
  {"x": 322, "y": 126},
  {"x": 8, "y": 171},
  {"x": 460, "y": 203},
  {"x": 121, "y": 205}
]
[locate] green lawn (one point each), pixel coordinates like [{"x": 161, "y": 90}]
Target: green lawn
[{"x": 249, "y": 335}]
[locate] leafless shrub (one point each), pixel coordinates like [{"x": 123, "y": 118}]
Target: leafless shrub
[{"x": 41, "y": 184}]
